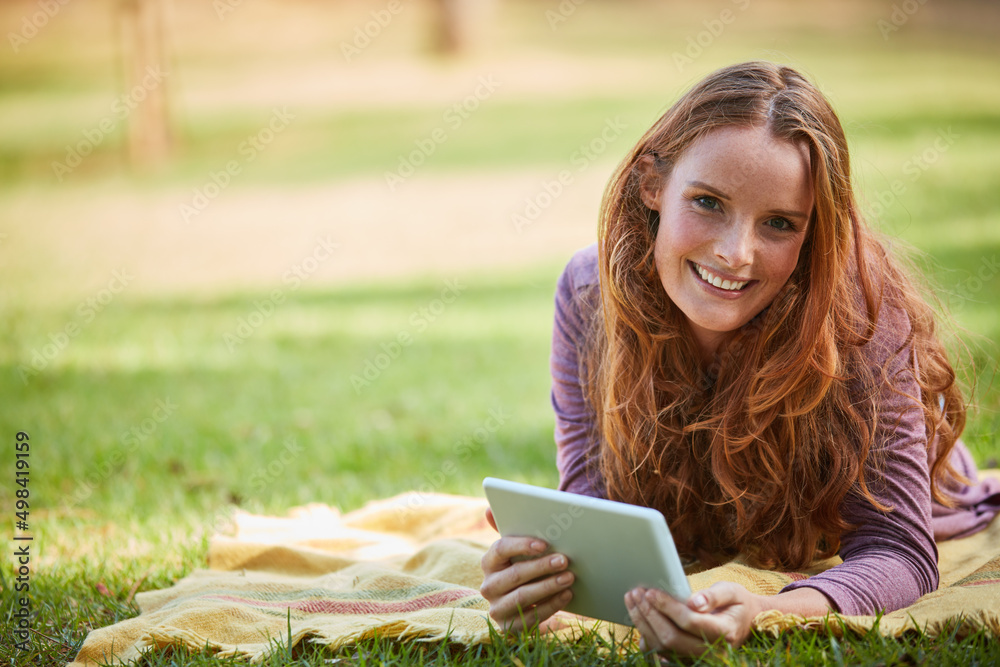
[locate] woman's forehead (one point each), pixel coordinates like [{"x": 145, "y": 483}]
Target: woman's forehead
[{"x": 749, "y": 160}]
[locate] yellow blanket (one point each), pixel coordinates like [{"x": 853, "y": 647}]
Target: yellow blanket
[{"x": 408, "y": 567}]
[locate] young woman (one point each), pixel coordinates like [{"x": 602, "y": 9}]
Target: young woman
[{"x": 740, "y": 352}]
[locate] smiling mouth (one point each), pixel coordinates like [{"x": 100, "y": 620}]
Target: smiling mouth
[{"x": 715, "y": 281}]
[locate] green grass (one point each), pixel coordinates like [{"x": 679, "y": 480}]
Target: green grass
[
  {"x": 114, "y": 512},
  {"x": 68, "y": 603},
  {"x": 145, "y": 519},
  {"x": 292, "y": 377},
  {"x": 793, "y": 648}
]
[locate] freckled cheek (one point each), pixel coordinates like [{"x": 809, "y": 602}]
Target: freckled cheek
[
  {"x": 779, "y": 262},
  {"x": 680, "y": 234}
]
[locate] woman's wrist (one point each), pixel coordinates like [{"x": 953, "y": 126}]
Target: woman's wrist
[
  {"x": 760, "y": 603},
  {"x": 800, "y": 601}
]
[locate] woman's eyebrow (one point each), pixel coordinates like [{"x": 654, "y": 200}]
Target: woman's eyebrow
[
  {"x": 788, "y": 214},
  {"x": 705, "y": 186}
]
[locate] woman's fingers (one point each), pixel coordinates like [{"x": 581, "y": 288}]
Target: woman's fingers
[
  {"x": 539, "y": 613},
  {"x": 671, "y": 607},
  {"x": 721, "y": 594},
  {"x": 502, "y": 581},
  {"x": 522, "y": 593},
  {"x": 704, "y": 627},
  {"x": 653, "y": 616},
  {"x": 686, "y": 634},
  {"x": 663, "y": 629},
  {"x": 726, "y": 612},
  {"x": 500, "y": 554},
  {"x": 530, "y": 590},
  {"x": 650, "y": 640}
]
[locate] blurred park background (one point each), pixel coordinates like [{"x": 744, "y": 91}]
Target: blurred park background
[{"x": 259, "y": 254}]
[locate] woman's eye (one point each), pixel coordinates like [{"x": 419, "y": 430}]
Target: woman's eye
[
  {"x": 704, "y": 201},
  {"x": 781, "y": 224}
]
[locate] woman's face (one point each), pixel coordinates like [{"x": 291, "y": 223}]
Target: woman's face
[{"x": 733, "y": 215}]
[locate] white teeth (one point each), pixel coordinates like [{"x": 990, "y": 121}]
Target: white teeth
[{"x": 719, "y": 282}]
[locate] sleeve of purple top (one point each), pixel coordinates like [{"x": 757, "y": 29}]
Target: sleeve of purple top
[
  {"x": 575, "y": 436},
  {"x": 890, "y": 558}
]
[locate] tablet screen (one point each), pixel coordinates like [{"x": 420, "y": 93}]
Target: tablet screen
[{"x": 612, "y": 547}]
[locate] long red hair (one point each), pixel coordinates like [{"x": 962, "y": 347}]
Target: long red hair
[{"x": 757, "y": 453}]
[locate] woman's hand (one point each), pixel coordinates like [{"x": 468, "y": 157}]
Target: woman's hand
[
  {"x": 528, "y": 592},
  {"x": 725, "y": 610}
]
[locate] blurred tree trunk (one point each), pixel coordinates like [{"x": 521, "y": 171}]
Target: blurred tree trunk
[
  {"x": 460, "y": 25},
  {"x": 145, "y": 87}
]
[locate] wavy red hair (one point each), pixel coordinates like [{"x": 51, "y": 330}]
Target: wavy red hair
[{"x": 756, "y": 454}]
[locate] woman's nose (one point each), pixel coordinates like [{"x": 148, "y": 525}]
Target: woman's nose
[{"x": 736, "y": 245}]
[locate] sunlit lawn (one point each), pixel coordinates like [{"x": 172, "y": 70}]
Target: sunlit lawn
[
  {"x": 177, "y": 428},
  {"x": 150, "y": 423}
]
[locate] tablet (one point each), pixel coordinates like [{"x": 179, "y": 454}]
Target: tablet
[{"x": 612, "y": 547}]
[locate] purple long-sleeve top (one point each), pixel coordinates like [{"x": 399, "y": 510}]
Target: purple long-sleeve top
[{"x": 889, "y": 559}]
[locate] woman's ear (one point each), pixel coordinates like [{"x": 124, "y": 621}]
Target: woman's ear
[{"x": 650, "y": 183}]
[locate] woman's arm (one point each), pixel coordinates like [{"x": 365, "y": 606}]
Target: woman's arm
[
  {"x": 575, "y": 436},
  {"x": 522, "y": 593},
  {"x": 890, "y": 558}
]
